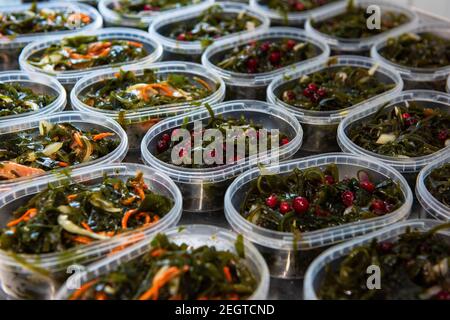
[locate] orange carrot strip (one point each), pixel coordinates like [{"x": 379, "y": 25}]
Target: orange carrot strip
[
  {"x": 140, "y": 192},
  {"x": 30, "y": 213},
  {"x": 226, "y": 271},
  {"x": 163, "y": 279},
  {"x": 85, "y": 287},
  {"x": 86, "y": 226},
  {"x": 72, "y": 197},
  {"x": 135, "y": 44},
  {"x": 126, "y": 217},
  {"x": 63, "y": 164},
  {"x": 147, "y": 217},
  {"x": 158, "y": 252},
  {"x": 77, "y": 138},
  {"x": 128, "y": 201},
  {"x": 164, "y": 87},
  {"x": 101, "y": 136},
  {"x": 82, "y": 240}
]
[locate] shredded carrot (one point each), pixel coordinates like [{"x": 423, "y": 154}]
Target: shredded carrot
[
  {"x": 77, "y": 138},
  {"x": 176, "y": 297},
  {"x": 128, "y": 201},
  {"x": 72, "y": 197},
  {"x": 140, "y": 192},
  {"x": 146, "y": 216},
  {"x": 233, "y": 296},
  {"x": 106, "y": 233},
  {"x": 116, "y": 186},
  {"x": 135, "y": 238},
  {"x": 126, "y": 217},
  {"x": 85, "y": 287},
  {"x": 135, "y": 44},
  {"x": 163, "y": 279},
  {"x": 79, "y": 16},
  {"x": 155, "y": 218},
  {"x": 63, "y": 164},
  {"x": 162, "y": 86},
  {"x": 101, "y": 296},
  {"x": 202, "y": 82},
  {"x": 158, "y": 252},
  {"x": 226, "y": 271},
  {"x": 30, "y": 213},
  {"x": 83, "y": 240},
  {"x": 101, "y": 136},
  {"x": 86, "y": 226}
]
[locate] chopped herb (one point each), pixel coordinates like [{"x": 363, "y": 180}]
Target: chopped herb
[{"x": 438, "y": 183}]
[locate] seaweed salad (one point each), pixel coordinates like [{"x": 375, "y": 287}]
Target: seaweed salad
[
  {"x": 143, "y": 7},
  {"x": 290, "y": 6},
  {"x": 438, "y": 183}
]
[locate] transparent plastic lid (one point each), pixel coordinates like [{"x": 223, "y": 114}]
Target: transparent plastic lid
[
  {"x": 316, "y": 270},
  {"x": 141, "y": 20},
  {"x": 334, "y": 117},
  {"x": 40, "y": 84},
  {"x": 258, "y": 111},
  {"x": 74, "y": 7},
  {"x": 196, "y": 47},
  {"x": 348, "y": 165},
  {"x": 262, "y": 79},
  {"x": 402, "y": 164},
  {"x": 157, "y": 182},
  {"x": 161, "y": 69},
  {"x": 194, "y": 236},
  {"x": 432, "y": 205},
  {"x": 72, "y": 76},
  {"x": 352, "y": 45},
  {"x": 416, "y": 74},
  {"x": 83, "y": 121},
  {"x": 293, "y": 18}
]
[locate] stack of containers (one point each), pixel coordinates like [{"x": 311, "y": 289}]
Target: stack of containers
[
  {"x": 10, "y": 48},
  {"x": 192, "y": 50}
]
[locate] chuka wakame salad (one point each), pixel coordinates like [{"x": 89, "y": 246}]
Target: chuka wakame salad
[
  {"x": 128, "y": 91},
  {"x": 293, "y": 6},
  {"x": 334, "y": 88},
  {"x": 83, "y": 52},
  {"x": 413, "y": 267},
  {"x": 171, "y": 271},
  {"x": 60, "y": 145},
  {"x": 62, "y": 217},
  {"x": 144, "y": 7},
  {"x": 35, "y": 20},
  {"x": 314, "y": 198},
  {"x": 406, "y": 130},
  {"x": 17, "y": 99},
  {"x": 438, "y": 183},
  {"x": 213, "y": 23}
]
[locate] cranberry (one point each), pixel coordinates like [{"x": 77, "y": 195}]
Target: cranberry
[
  {"x": 272, "y": 201},
  {"x": 367, "y": 185},
  {"x": 378, "y": 207},
  {"x": 161, "y": 146},
  {"x": 252, "y": 65},
  {"x": 308, "y": 93},
  {"x": 166, "y": 137},
  {"x": 322, "y": 92},
  {"x": 406, "y": 116},
  {"x": 299, "y": 6},
  {"x": 291, "y": 43},
  {"x": 275, "y": 57},
  {"x": 147, "y": 7},
  {"x": 329, "y": 180},
  {"x": 181, "y": 37},
  {"x": 265, "y": 46},
  {"x": 442, "y": 135},
  {"x": 347, "y": 198},
  {"x": 386, "y": 246},
  {"x": 300, "y": 204},
  {"x": 443, "y": 295},
  {"x": 285, "y": 207},
  {"x": 284, "y": 141},
  {"x": 313, "y": 87}
]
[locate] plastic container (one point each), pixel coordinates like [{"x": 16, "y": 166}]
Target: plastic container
[
  {"x": 10, "y": 48},
  {"x": 39, "y": 83},
  {"x": 448, "y": 84},
  {"x": 69, "y": 78},
  {"x": 288, "y": 256},
  {"x": 320, "y": 127},
  {"x": 418, "y": 78},
  {"x": 192, "y": 50},
  {"x": 83, "y": 121},
  {"x": 316, "y": 270},
  {"x": 293, "y": 19},
  {"x": 253, "y": 86},
  {"x": 409, "y": 167},
  {"x": 359, "y": 46},
  {"x": 203, "y": 189},
  {"x": 140, "y": 21},
  {"x": 137, "y": 122},
  {"x": 19, "y": 281},
  {"x": 195, "y": 236},
  {"x": 431, "y": 207}
]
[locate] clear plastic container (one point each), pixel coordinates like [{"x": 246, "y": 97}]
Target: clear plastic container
[
  {"x": 418, "y": 78},
  {"x": 195, "y": 236},
  {"x": 38, "y": 276},
  {"x": 320, "y": 127},
  {"x": 203, "y": 189},
  {"x": 359, "y": 46},
  {"x": 288, "y": 256},
  {"x": 10, "y": 48},
  {"x": 69, "y": 78},
  {"x": 137, "y": 122},
  {"x": 39, "y": 83},
  {"x": 296, "y": 19},
  {"x": 83, "y": 121},
  {"x": 448, "y": 84},
  {"x": 316, "y": 270},
  {"x": 409, "y": 167},
  {"x": 431, "y": 207},
  {"x": 141, "y": 21},
  {"x": 253, "y": 86}
]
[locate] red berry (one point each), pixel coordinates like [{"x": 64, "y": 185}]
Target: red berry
[
  {"x": 308, "y": 93},
  {"x": 284, "y": 141},
  {"x": 272, "y": 201},
  {"x": 300, "y": 204},
  {"x": 406, "y": 116},
  {"x": 252, "y": 65},
  {"x": 147, "y": 7},
  {"x": 181, "y": 37},
  {"x": 161, "y": 146},
  {"x": 285, "y": 207},
  {"x": 166, "y": 137},
  {"x": 442, "y": 135},
  {"x": 299, "y": 6},
  {"x": 386, "y": 246},
  {"x": 322, "y": 92},
  {"x": 367, "y": 185},
  {"x": 347, "y": 198},
  {"x": 443, "y": 295},
  {"x": 265, "y": 46},
  {"x": 291, "y": 43},
  {"x": 315, "y": 98},
  {"x": 275, "y": 57},
  {"x": 378, "y": 207},
  {"x": 329, "y": 180},
  {"x": 313, "y": 87}
]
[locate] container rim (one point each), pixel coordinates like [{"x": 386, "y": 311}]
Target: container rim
[
  {"x": 146, "y": 113},
  {"x": 402, "y": 165},
  {"x": 18, "y": 76},
  {"x": 55, "y": 260},
  {"x": 264, "y": 78},
  {"x": 448, "y": 84},
  {"x": 22, "y": 124},
  {"x": 22, "y": 40},
  {"x": 215, "y": 233},
  {"x": 432, "y": 205},
  {"x": 225, "y": 172},
  {"x": 338, "y": 251},
  {"x": 414, "y": 74},
  {"x": 352, "y": 45},
  {"x": 323, "y": 237},
  {"x": 333, "y": 117},
  {"x": 195, "y": 47}
]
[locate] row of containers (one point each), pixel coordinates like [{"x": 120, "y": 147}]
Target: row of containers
[{"x": 100, "y": 135}]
